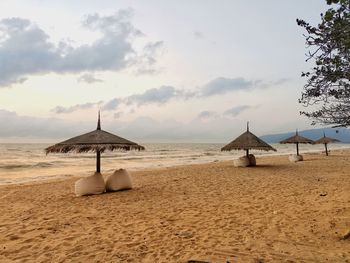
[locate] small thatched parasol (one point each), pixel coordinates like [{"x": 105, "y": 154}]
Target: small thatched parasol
[
  {"x": 247, "y": 141},
  {"x": 296, "y": 139},
  {"x": 326, "y": 140},
  {"x": 96, "y": 141}
]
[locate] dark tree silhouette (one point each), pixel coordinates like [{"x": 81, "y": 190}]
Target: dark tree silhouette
[{"x": 327, "y": 91}]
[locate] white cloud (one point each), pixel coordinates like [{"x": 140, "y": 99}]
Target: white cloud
[
  {"x": 207, "y": 115},
  {"x": 160, "y": 95},
  {"x": 27, "y": 126},
  {"x": 61, "y": 109},
  {"x": 164, "y": 94},
  {"x": 216, "y": 128},
  {"x": 89, "y": 78},
  {"x": 117, "y": 115},
  {"x": 146, "y": 63},
  {"x": 198, "y": 34},
  {"x": 235, "y": 111},
  {"x": 156, "y": 95},
  {"x": 148, "y": 129},
  {"x": 25, "y": 49},
  {"x": 111, "y": 105},
  {"x": 141, "y": 128},
  {"x": 220, "y": 86}
]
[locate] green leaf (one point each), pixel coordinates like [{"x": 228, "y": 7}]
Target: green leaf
[{"x": 328, "y": 16}]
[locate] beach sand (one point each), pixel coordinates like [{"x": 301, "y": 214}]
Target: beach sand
[{"x": 275, "y": 212}]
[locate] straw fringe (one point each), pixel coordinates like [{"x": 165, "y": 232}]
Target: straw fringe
[
  {"x": 326, "y": 140},
  {"x": 297, "y": 139},
  {"x": 95, "y": 141},
  {"x": 247, "y": 141},
  {"x": 232, "y": 147},
  {"x": 84, "y": 148}
]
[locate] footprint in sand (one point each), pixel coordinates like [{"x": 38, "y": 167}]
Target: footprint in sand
[{"x": 9, "y": 193}]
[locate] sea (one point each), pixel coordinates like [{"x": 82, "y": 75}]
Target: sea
[{"x": 24, "y": 163}]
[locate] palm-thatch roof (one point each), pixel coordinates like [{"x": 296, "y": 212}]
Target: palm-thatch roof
[
  {"x": 297, "y": 139},
  {"x": 94, "y": 141},
  {"x": 326, "y": 140},
  {"x": 247, "y": 141}
]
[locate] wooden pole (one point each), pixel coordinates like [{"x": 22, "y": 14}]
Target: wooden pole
[
  {"x": 247, "y": 152},
  {"x": 325, "y": 146},
  {"x": 99, "y": 121},
  {"x": 98, "y": 161},
  {"x": 297, "y": 148},
  {"x": 98, "y": 153}
]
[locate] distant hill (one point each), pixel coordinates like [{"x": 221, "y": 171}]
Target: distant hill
[{"x": 342, "y": 134}]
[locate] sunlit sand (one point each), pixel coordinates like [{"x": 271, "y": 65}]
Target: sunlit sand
[{"x": 276, "y": 211}]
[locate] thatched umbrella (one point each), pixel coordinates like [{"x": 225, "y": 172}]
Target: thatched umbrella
[
  {"x": 96, "y": 141},
  {"x": 326, "y": 140},
  {"x": 247, "y": 141},
  {"x": 296, "y": 139}
]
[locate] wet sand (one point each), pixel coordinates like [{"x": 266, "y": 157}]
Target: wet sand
[{"x": 275, "y": 212}]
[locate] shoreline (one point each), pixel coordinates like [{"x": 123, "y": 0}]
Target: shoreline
[{"x": 67, "y": 176}]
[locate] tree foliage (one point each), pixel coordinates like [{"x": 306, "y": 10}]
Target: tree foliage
[{"x": 327, "y": 91}]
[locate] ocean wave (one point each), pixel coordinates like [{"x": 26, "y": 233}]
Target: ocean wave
[
  {"x": 13, "y": 149},
  {"x": 210, "y": 154},
  {"x": 43, "y": 165},
  {"x": 14, "y": 166},
  {"x": 28, "y": 159},
  {"x": 27, "y": 165}
]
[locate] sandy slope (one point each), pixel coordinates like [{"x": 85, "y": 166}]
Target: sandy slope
[{"x": 273, "y": 213}]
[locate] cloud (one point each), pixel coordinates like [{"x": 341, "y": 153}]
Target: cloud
[
  {"x": 280, "y": 81},
  {"x": 142, "y": 128},
  {"x": 160, "y": 95},
  {"x": 147, "y": 61},
  {"x": 198, "y": 34},
  {"x": 164, "y": 94},
  {"x": 277, "y": 82},
  {"x": 206, "y": 115},
  {"x": 156, "y": 95},
  {"x": 26, "y": 126},
  {"x": 220, "y": 86},
  {"x": 235, "y": 111},
  {"x": 112, "y": 104},
  {"x": 89, "y": 78},
  {"x": 25, "y": 49},
  {"x": 213, "y": 130},
  {"x": 61, "y": 109},
  {"x": 117, "y": 115}
]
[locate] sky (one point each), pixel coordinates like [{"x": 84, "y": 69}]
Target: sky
[{"x": 159, "y": 71}]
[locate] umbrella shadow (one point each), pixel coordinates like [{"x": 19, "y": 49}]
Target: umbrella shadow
[
  {"x": 311, "y": 159},
  {"x": 264, "y": 166},
  {"x": 261, "y": 166},
  {"x": 270, "y": 166},
  {"x": 119, "y": 191}
]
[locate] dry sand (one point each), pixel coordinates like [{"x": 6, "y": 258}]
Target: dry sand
[{"x": 275, "y": 212}]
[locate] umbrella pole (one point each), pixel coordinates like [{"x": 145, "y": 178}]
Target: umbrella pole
[
  {"x": 247, "y": 152},
  {"x": 325, "y": 146},
  {"x": 98, "y": 161},
  {"x": 297, "y": 148}
]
